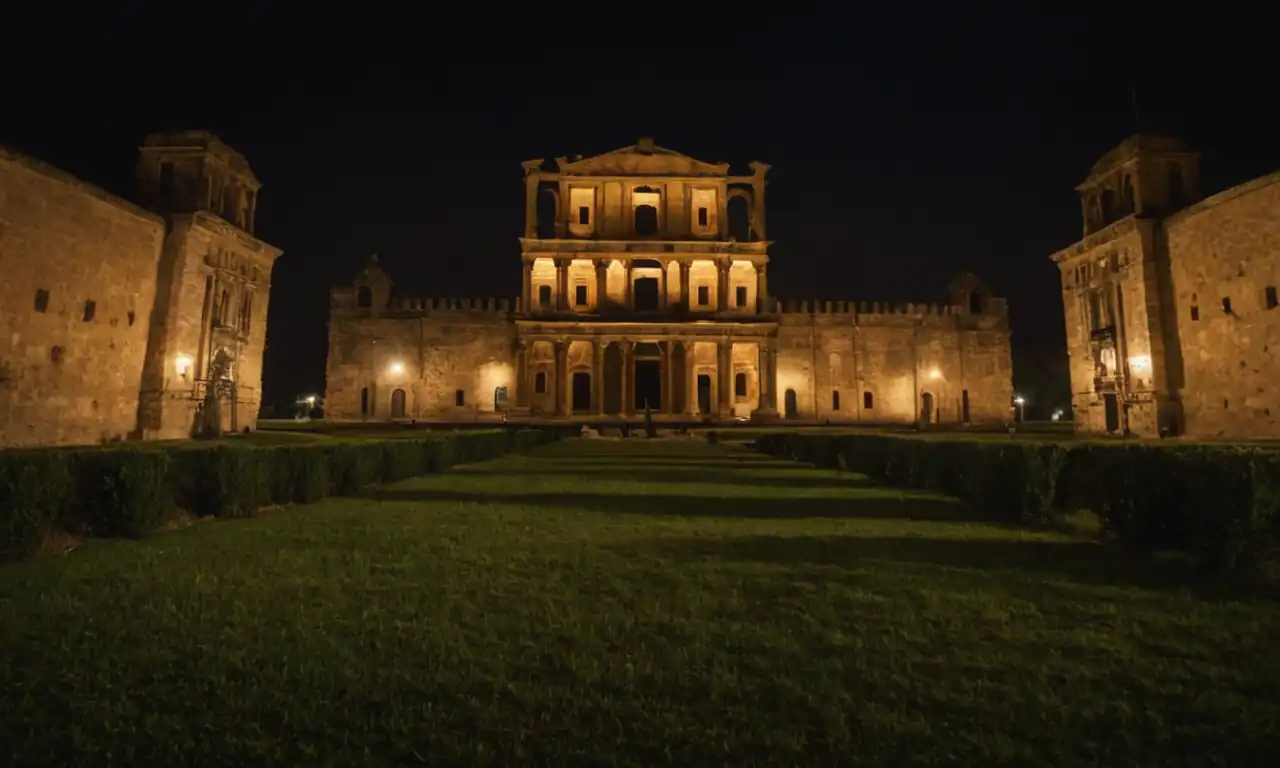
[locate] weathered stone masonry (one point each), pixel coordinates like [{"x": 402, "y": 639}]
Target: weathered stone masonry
[
  {"x": 645, "y": 283},
  {"x": 1171, "y": 309},
  {"x": 112, "y": 312}
]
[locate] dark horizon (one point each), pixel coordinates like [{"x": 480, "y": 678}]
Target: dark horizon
[{"x": 898, "y": 159}]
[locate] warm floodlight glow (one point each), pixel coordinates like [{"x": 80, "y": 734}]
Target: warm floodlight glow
[
  {"x": 396, "y": 368},
  {"x": 1019, "y": 400},
  {"x": 1140, "y": 364},
  {"x": 311, "y": 399},
  {"x": 183, "y": 364},
  {"x": 935, "y": 374}
]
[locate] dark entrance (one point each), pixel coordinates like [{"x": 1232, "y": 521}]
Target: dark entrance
[
  {"x": 646, "y": 293},
  {"x": 704, "y": 394},
  {"x": 581, "y": 392},
  {"x": 648, "y": 385},
  {"x": 397, "y": 404},
  {"x": 499, "y": 398},
  {"x": 790, "y": 408},
  {"x": 1112, "y": 407},
  {"x": 926, "y": 408},
  {"x": 964, "y": 406}
]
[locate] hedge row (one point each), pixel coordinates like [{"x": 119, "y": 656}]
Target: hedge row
[
  {"x": 1221, "y": 503},
  {"x": 133, "y": 491}
]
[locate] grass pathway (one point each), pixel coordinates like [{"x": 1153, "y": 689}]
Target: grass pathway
[{"x": 627, "y": 603}]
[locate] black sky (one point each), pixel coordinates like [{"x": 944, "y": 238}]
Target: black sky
[{"x": 905, "y": 148}]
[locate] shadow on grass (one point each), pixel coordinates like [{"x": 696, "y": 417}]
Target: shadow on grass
[
  {"x": 678, "y": 474},
  {"x": 887, "y": 505},
  {"x": 1076, "y": 561}
]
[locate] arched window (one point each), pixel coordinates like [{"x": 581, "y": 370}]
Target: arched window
[
  {"x": 646, "y": 220},
  {"x": 868, "y": 401},
  {"x": 397, "y": 404}
]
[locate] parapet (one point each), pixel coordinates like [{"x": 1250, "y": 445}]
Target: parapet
[
  {"x": 432, "y": 305},
  {"x": 806, "y": 307},
  {"x": 349, "y": 301}
]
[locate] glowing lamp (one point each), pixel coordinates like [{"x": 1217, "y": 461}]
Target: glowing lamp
[
  {"x": 1019, "y": 400},
  {"x": 1140, "y": 363},
  {"x": 935, "y": 374},
  {"x": 311, "y": 399},
  {"x": 183, "y": 364},
  {"x": 396, "y": 368}
]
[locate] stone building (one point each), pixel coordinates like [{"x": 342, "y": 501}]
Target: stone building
[
  {"x": 113, "y": 315},
  {"x": 1173, "y": 322},
  {"x": 645, "y": 284}
]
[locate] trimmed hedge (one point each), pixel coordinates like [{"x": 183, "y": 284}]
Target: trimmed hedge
[
  {"x": 132, "y": 491},
  {"x": 1220, "y": 503}
]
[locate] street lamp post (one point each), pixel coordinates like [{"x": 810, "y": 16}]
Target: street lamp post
[{"x": 1020, "y": 401}]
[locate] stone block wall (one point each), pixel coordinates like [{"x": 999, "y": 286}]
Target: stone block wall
[
  {"x": 79, "y": 284},
  {"x": 1225, "y": 263}
]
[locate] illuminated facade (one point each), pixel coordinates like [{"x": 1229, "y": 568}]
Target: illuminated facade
[
  {"x": 1173, "y": 322},
  {"x": 645, "y": 285}
]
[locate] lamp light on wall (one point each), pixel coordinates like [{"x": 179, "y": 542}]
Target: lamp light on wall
[
  {"x": 396, "y": 368},
  {"x": 934, "y": 374},
  {"x": 183, "y": 365},
  {"x": 1140, "y": 364}
]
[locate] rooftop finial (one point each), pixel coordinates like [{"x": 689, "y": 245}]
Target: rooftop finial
[
  {"x": 645, "y": 144},
  {"x": 373, "y": 258}
]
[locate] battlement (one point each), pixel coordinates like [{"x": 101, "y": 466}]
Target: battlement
[
  {"x": 436, "y": 304},
  {"x": 995, "y": 307}
]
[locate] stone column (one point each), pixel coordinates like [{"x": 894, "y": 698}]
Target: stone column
[
  {"x": 772, "y": 355},
  {"x": 562, "y": 365},
  {"x": 724, "y": 371},
  {"x": 526, "y": 287},
  {"x": 766, "y": 382},
  {"x": 562, "y": 284},
  {"x": 757, "y": 213},
  {"x": 662, "y": 287},
  {"x": 629, "y": 299},
  {"x": 690, "y": 379},
  {"x": 685, "y": 303},
  {"x": 602, "y": 285},
  {"x": 523, "y": 386},
  {"x": 722, "y": 286},
  {"x": 762, "y": 288},
  {"x": 628, "y": 377},
  {"x": 597, "y": 377},
  {"x": 664, "y": 376},
  {"x": 531, "y": 206}
]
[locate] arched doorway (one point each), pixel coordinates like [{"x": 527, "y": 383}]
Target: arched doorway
[
  {"x": 964, "y": 406},
  {"x": 791, "y": 410},
  {"x": 926, "y": 408},
  {"x": 397, "y": 404},
  {"x": 499, "y": 399},
  {"x": 581, "y": 391},
  {"x": 364, "y": 402}
]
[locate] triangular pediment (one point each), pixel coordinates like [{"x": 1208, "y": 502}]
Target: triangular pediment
[{"x": 643, "y": 158}]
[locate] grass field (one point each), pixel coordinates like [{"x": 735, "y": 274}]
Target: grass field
[{"x": 628, "y": 603}]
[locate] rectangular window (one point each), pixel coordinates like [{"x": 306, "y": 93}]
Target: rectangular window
[
  {"x": 459, "y": 397},
  {"x": 1226, "y": 305},
  {"x": 580, "y": 295},
  {"x": 90, "y": 309},
  {"x": 835, "y": 399},
  {"x": 544, "y": 295},
  {"x": 1272, "y": 300},
  {"x": 867, "y": 400},
  {"x": 740, "y": 385},
  {"x": 741, "y": 295},
  {"x": 584, "y": 215},
  {"x": 1195, "y": 313},
  {"x": 702, "y": 217},
  {"x": 704, "y": 295},
  {"x": 540, "y": 383},
  {"x": 42, "y": 300}
]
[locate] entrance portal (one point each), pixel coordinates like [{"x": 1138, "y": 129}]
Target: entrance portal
[
  {"x": 397, "y": 404},
  {"x": 926, "y": 408},
  {"x": 1112, "y": 407},
  {"x": 581, "y": 392},
  {"x": 646, "y": 294},
  {"x": 704, "y": 394},
  {"x": 648, "y": 385},
  {"x": 789, "y": 400}
]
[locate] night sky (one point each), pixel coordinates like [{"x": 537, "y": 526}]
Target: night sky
[{"x": 904, "y": 150}]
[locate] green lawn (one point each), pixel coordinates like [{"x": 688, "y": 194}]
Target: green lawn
[{"x": 628, "y": 603}]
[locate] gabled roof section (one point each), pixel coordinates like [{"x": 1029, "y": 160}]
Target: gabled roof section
[
  {"x": 643, "y": 158},
  {"x": 1133, "y": 148}
]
